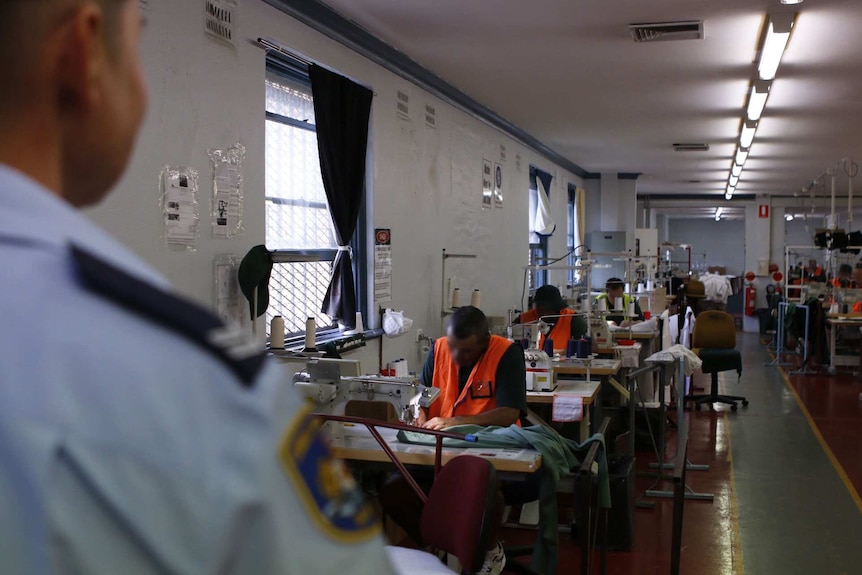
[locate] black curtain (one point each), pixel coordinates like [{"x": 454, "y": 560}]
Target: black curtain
[{"x": 341, "y": 111}]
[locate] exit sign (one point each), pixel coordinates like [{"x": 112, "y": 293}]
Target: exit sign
[{"x": 763, "y": 211}]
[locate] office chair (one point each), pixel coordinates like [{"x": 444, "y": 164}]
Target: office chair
[
  {"x": 459, "y": 518},
  {"x": 714, "y": 341}
]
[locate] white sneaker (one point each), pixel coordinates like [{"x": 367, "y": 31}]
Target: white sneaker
[{"x": 495, "y": 561}]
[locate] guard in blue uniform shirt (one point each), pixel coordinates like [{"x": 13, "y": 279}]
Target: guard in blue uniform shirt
[{"x": 137, "y": 433}]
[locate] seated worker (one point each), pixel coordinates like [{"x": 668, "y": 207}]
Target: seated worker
[
  {"x": 481, "y": 377},
  {"x": 814, "y": 273},
  {"x": 844, "y": 278},
  {"x": 547, "y": 302},
  {"x": 615, "y": 288},
  {"x": 483, "y": 381}
]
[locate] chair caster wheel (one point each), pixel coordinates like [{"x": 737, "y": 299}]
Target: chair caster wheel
[
  {"x": 734, "y": 407},
  {"x": 744, "y": 403}
]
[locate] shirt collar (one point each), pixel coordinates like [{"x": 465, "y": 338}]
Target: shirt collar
[{"x": 31, "y": 213}]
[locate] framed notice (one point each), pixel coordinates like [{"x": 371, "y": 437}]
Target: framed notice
[{"x": 487, "y": 186}]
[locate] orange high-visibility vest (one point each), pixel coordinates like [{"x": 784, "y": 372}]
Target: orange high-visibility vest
[
  {"x": 562, "y": 331},
  {"x": 479, "y": 394}
]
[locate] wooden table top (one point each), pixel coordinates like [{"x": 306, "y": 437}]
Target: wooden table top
[
  {"x": 598, "y": 367},
  {"x": 354, "y": 442},
  {"x": 589, "y": 390}
]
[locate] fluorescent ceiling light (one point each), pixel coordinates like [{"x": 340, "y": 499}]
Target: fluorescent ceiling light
[
  {"x": 788, "y": 217},
  {"x": 736, "y": 170},
  {"x": 728, "y": 195},
  {"x": 791, "y": 1},
  {"x": 746, "y": 136},
  {"x": 741, "y": 156},
  {"x": 718, "y": 214},
  {"x": 757, "y": 100},
  {"x": 730, "y": 189},
  {"x": 777, "y": 35},
  {"x": 733, "y": 180}
]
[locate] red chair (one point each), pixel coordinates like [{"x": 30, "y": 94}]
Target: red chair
[{"x": 459, "y": 517}]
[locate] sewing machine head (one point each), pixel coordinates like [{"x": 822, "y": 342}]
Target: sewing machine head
[
  {"x": 332, "y": 391},
  {"x": 540, "y": 375}
]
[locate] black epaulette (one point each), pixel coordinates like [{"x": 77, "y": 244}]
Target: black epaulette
[{"x": 241, "y": 355}]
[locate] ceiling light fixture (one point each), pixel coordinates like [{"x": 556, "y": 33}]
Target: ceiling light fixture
[
  {"x": 791, "y": 1},
  {"x": 757, "y": 99},
  {"x": 736, "y": 170},
  {"x": 788, "y": 217},
  {"x": 733, "y": 180},
  {"x": 741, "y": 156},
  {"x": 717, "y": 214},
  {"x": 746, "y": 136},
  {"x": 777, "y": 35},
  {"x": 728, "y": 195}
]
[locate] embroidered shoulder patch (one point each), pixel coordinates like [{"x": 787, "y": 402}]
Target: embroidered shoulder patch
[{"x": 324, "y": 484}]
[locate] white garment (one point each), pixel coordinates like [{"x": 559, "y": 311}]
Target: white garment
[
  {"x": 544, "y": 224},
  {"x": 673, "y": 353},
  {"x": 716, "y": 287}
]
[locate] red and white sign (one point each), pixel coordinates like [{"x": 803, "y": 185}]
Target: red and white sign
[{"x": 763, "y": 211}]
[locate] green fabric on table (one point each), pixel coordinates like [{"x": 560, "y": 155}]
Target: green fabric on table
[{"x": 559, "y": 457}]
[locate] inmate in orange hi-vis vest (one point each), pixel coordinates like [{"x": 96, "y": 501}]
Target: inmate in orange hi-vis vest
[
  {"x": 562, "y": 331},
  {"x": 479, "y": 394}
]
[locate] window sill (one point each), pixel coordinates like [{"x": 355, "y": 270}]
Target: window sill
[{"x": 330, "y": 342}]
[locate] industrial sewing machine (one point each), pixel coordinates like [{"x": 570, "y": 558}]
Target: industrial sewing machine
[
  {"x": 540, "y": 376},
  {"x": 325, "y": 383}
]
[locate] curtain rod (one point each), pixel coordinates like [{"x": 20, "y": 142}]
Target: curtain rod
[{"x": 270, "y": 45}]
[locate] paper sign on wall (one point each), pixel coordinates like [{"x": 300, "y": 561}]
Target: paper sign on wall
[
  {"x": 180, "y": 209},
  {"x": 568, "y": 407},
  {"x": 382, "y": 264},
  {"x": 487, "y": 186}
]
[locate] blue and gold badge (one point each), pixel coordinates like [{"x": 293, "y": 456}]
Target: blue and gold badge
[{"x": 324, "y": 484}]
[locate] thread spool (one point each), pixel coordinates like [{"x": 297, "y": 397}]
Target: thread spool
[
  {"x": 310, "y": 334},
  {"x": 359, "y": 328},
  {"x": 585, "y": 348},
  {"x": 525, "y": 343},
  {"x": 586, "y": 304},
  {"x": 627, "y": 289},
  {"x": 603, "y": 304},
  {"x": 649, "y": 285},
  {"x": 456, "y": 298},
  {"x": 476, "y": 298},
  {"x": 548, "y": 347},
  {"x": 618, "y": 304},
  {"x": 571, "y": 347},
  {"x": 276, "y": 333},
  {"x": 631, "y": 310},
  {"x": 640, "y": 288}
]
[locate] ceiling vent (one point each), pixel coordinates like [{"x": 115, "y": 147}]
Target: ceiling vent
[
  {"x": 665, "y": 31},
  {"x": 691, "y": 147}
]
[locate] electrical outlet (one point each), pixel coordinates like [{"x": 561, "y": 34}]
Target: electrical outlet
[{"x": 419, "y": 334}]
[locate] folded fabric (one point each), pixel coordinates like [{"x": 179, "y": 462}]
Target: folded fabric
[
  {"x": 559, "y": 457},
  {"x": 717, "y": 287},
  {"x": 673, "y": 353}
]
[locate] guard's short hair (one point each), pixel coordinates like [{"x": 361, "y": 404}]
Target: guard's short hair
[
  {"x": 548, "y": 297},
  {"x": 469, "y": 321},
  {"x": 614, "y": 283}
]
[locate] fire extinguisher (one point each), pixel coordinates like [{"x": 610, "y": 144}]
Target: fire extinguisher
[{"x": 750, "y": 298}]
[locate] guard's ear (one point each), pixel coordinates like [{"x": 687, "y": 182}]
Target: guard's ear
[{"x": 78, "y": 47}]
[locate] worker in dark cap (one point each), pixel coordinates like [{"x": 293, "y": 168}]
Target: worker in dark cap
[
  {"x": 615, "y": 288},
  {"x": 565, "y": 324}
]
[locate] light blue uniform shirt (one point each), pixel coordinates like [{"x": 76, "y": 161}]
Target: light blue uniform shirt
[{"x": 127, "y": 447}]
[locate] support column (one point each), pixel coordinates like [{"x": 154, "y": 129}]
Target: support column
[{"x": 757, "y": 253}]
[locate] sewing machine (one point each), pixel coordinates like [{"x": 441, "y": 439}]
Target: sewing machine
[
  {"x": 324, "y": 383},
  {"x": 540, "y": 376},
  {"x": 599, "y": 330}
]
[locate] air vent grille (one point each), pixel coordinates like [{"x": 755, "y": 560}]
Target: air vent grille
[
  {"x": 666, "y": 31},
  {"x": 220, "y": 20},
  {"x": 691, "y": 147},
  {"x": 402, "y": 104}
]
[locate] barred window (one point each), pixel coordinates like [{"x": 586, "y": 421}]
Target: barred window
[{"x": 298, "y": 224}]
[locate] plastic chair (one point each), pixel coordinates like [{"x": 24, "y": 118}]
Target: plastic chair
[
  {"x": 459, "y": 517},
  {"x": 714, "y": 341}
]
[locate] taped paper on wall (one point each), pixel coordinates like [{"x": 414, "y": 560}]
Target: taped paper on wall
[
  {"x": 487, "y": 186},
  {"x": 227, "y": 196},
  {"x": 498, "y": 186},
  {"x": 382, "y": 264},
  {"x": 180, "y": 209},
  {"x": 230, "y": 306}
]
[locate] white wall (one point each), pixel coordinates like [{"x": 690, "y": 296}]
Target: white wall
[
  {"x": 426, "y": 183},
  {"x": 723, "y": 242}
]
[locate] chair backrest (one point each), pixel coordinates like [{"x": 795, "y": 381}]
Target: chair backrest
[
  {"x": 714, "y": 330},
  {"x": 459, "y": 515}
]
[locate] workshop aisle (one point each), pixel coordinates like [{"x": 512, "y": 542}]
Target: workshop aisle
[{"x": 780, "y": 505}]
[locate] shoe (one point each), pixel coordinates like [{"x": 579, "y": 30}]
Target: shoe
[{"x": 495, "y": 561}]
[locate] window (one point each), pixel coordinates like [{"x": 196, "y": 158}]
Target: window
[
  {"x": 298, "y": 223},
  {"x": 538, "y": 242}
]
